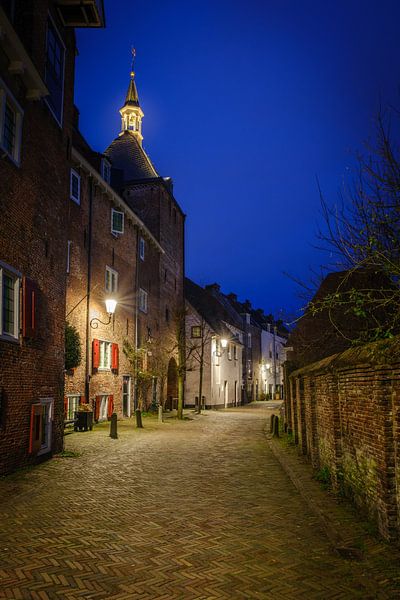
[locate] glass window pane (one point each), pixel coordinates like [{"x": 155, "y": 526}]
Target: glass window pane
[
  {"x": 8, "y": 304},
  {"x": 9, "y": 129}
]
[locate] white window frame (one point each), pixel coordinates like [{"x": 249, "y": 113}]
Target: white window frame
[
  {"x": 46, "y": 446},
  {"x": 77, "y": 198},
  {"x": 142, "y": 247},
  {"x": 106, "y": 170},
  {"x": 7, "y": 96},
  {"x": 113, "y": 230},
  {"x": 249, "y": 340},
  {"x": 73, "y": 401},
  {"x": 105, "y": 355},
  {"x": 59, "y": 122},
  {"x": 113, "y": 277},
  {"x": 143, "y": 300},
  {"x": 6, "y": 269}
]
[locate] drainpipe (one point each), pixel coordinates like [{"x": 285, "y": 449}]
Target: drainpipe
[
  {"x": 135, "y": 387},
  {"x": 89, "y": 282}
]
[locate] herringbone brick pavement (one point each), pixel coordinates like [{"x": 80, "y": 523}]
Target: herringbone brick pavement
[{"x": 188, "y": 510}]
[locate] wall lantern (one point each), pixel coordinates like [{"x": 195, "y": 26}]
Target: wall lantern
[
  {"x": 111, "y": 304},
  {"x": 224, "y": 342}
]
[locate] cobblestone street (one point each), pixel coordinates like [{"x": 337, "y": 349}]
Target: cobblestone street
[{"x": 199, "y": 509}]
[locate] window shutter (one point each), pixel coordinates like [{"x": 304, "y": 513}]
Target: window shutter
[
  {"x": 29, "y": 292},
  {"x": 65, "y": 407},
  {"x": 35, "y": 434},
  {"x": 97, "y": 408},
  {"x": 114, "y": 356},
  {"x": 96, "y": 353},
  {"x": 110, "y": 407}
]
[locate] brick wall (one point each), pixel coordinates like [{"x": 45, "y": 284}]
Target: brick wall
[
  {"x": 33, "y": 207},
  {"x": 344, "y": 413}
]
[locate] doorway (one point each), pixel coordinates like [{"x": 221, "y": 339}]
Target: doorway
[
  {"x": 126, "y": 395},
  {"x": 226, "y": 394}
]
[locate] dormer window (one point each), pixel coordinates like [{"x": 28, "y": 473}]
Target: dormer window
[{"x": 106, "y": 170}]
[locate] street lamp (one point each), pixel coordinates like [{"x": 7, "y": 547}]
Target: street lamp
[{"x": 111, "y": 304}]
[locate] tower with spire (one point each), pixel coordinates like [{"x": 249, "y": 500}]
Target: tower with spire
[{"x": 131, "y": 113}]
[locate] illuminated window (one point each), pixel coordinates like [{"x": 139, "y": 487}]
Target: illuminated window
[{"x": 196, "y": 331}]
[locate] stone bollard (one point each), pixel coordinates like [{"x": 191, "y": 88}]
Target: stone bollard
[
  {"x": 113, "y": 427},
  {"x": 271, "y": 429},
  {"x": 160, "y": 414},
  {"x": 138, "y": 414},
  {"x": 276, "y": 427}
]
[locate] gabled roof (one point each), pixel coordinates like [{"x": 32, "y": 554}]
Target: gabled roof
[
  {"x": 126, "y": 153},
  {"x": 210, "y": 309}
]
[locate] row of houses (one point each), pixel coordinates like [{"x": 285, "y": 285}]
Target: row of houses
[{"x": 92, "y": 289}]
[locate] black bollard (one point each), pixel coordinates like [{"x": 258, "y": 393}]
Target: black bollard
[
  {"x": 113, "y": 427},
  {"x": 276, "y": 427},
  {"x": 138, "y": 414},
  {"x": 272, "y": 424}
]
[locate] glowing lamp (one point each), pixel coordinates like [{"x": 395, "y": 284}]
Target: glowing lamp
[
  {"x": 110, "y": 305},
  {"x": 224, "y": 342}
]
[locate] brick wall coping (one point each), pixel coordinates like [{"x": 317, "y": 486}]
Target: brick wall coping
[
  {"x": 116, "y": 198},
  {"x": 384, "y": 353}
]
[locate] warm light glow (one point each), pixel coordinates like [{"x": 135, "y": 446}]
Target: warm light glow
[
  {"x": 268, "y": 365},
  {"x": 110, "y": 306},
  {"x": 224, "y": 342}
]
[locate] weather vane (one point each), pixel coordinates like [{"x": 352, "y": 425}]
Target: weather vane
[{"x": 133, "y": 52}]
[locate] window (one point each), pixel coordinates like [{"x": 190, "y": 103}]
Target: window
[
  {"x": 196, "y": 331},
  {"x": 72, "y": 404},
  {"x": 10, "y": 124},
  {"x": 106, "y": 170},
  {"x": 103, "y": 409},
  {"x": 117, "y": 222},
  {"x": 141, "y": 248},
  {"x": 235, "y": 354},
  {"x": 229, "y": 351},
  {"x": 9, "y": 303},
  {"x": 143, "y": 300},
  {"x": 46, "y": 425},
  {"x": 111, "y": 280},
  {"x": 75, "y": 187},
  {"x": 54, "y": 72},
  {"x": 105, "y": 355},
  {"x": 249, "y": 340}
]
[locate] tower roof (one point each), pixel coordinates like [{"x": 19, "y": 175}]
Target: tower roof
[
  {"x": 126, "y": 154},
  {"x": 132, "y": 97}
]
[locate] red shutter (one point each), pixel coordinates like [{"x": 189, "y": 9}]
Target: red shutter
[
  {"x": 96, "y": 353},
  {"x": 35, "y": 433},
  {"x": 97, "y": 408},
  {"x": 114, "y": 356},
  {"x": 29, "y": 301},
  {"x": 110, "y": 408},
  {"x": 65, "y": 407}
]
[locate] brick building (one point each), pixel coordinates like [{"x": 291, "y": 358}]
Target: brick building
[
  {"x": 125, "y": 243},
  {"x": 151, "y": 197},
  {"x": 37, "y": 56}
]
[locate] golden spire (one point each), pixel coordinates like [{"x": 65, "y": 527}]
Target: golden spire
[{"x": 133, "y": 52}]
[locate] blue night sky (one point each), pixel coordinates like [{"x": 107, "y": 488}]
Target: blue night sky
[{"x": 245, "y": 104}]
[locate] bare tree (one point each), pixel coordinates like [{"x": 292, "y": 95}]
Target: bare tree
[
  {"x": 196, "y": 348},
  {"x": 362, "y": 235}
]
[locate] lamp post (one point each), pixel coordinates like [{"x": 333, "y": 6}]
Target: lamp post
[{"x": 111, "y": 304}]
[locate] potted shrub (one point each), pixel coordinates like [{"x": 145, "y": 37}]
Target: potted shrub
[{"x": 84, "y": 418}]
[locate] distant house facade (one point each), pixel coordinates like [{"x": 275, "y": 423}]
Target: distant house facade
[
  {"x": 37, "y": 48},
  {"x": 273, "y": 357},
  {"x": 214, "y": 346}
]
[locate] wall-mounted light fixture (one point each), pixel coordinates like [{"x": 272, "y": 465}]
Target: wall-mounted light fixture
[{"x": 111, "y": 304}]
